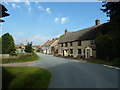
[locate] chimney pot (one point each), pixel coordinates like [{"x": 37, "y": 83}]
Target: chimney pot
[
  {"x": 97, "y": 22},
  {"x": 65, "y": 31}
]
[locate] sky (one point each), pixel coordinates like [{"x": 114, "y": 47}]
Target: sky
[{"x": 42, "y": 21}]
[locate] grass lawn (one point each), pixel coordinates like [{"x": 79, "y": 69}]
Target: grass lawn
[
  {"x": 110, "y": 63},
  {"x": 21, "y": 58},
  {"x": 25, "y": 77}
]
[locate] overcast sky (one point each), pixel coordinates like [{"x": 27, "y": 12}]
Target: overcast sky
[{"x": 39, "y": 22}]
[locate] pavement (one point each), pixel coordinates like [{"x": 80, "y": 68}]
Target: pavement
[
  {"x": 70, "y": 73},
  {"x": 19, "y": 64}
]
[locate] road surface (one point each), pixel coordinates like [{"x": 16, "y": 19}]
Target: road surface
[{"x": 68, "y": 73}]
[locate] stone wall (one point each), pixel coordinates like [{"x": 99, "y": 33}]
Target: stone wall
[
  {"x": 4, "y": 55},
  {"x": 75, "y": 47}
]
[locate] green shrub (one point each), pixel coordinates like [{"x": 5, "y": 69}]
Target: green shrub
[
  {"x": 13, "y": 54},
  {"x": 116, "y": 62}
]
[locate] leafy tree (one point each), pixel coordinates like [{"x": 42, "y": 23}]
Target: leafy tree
[
  {"x": 28, "y": 47},
  {"x": 8, "y": 45},
  {"x": 3, "y": 13},
  {"x": 112, "y": 9},
  {"x": 103, "y": 46},
  {"x": 108, "y": 45},
  {"x": 0, "y": 45}
]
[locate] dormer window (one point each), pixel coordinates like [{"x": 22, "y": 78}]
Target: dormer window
[{"x": 79, "y": 43}]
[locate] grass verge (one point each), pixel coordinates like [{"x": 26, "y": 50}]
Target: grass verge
[
  {"x": 21, "y": 58},
  {"x": 115, "y": 63},
  {"x": 25, "y": 77}
]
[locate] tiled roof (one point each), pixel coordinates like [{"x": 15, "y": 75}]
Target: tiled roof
[
  {"x": 41, "y": 46},
  {"x": 50, "y": 42}
]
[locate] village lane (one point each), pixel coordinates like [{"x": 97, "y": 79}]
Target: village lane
[{"x": 68, "y": 73}]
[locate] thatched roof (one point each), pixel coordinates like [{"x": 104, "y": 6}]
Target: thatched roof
[{"x": 84, "y": 34}]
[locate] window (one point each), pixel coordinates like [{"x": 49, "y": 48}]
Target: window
[
  {"x": 70, "y": 43},
  {"x": 79, "y": 51},
  {"x": 79, "y": 43},
  {"x": 66, "y": 44},
  {"x": 92, "y": 42},
  {"x": 71, "y": 51},
  {"x": 61, "y": 44}
]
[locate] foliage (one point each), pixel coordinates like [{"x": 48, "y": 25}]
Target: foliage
[
  {"x": 28, "y": 48},
  {"x": 116, "y": 62},
  {"x": 103, "y": 47},
  {"x": 8, "y": 45},
  {"x": 0, "y": 45},
  {"x": 112, "y": 9},
  {"x": 3, "y": 12},
  {"x": 108, "y": 45},
  {"x": 25, "y": 77},
  {"x": 13, "y": 54},
  {"x": 21, "y": 58},
  {"x": 62, "y": 36}
]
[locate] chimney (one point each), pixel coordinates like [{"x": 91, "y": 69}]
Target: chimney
[
  {"x": 65, "y": 31},
  {"x": 97, "y": 22}
]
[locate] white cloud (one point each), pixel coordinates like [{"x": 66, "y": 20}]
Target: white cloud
[
  {"x": 56, "y": 20},
  {"x": 6, "y": 3},
  {"x": 14, "y": 0},
  {"x": 61, "y": 20},
  {"x": 36, "y": 2},
  {"x": 64, "y": 20},
  {"x": 15, "y": 6},
  {"x": 27, "y": 2},
  {"x": 41, "y": 8},
  {"x": 29, "y": 8},
  {"x": 48, "y": 10}
]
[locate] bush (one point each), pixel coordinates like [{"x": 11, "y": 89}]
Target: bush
[
  {"x": 13, "y": 54},
  {"x": 116, "y": 62}
]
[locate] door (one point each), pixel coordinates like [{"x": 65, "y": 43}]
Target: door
[
  {"x": 63, "y": 52},
  {"x": 88, "y": 53}
]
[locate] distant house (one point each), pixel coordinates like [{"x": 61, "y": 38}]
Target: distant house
[
  {"x": 39, "y": 49},
  {"x": 80, "y": 44},
  {"x": 49, "y": 46},
  {"x": 54, "y": 47},
  {"x": 35, "y": 47},
  {"x": 20, "y": 48}
]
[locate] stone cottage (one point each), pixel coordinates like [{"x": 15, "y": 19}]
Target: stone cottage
[{"x": 80, "y": 44}]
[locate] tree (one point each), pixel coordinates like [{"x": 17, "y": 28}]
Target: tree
[
  {"x": 28, "y": 47},
  {"x": 112, "y": 9},
  {"x": 104, "y": 47},
  {"x": 8, "y": 45},
  {"x": 3, "y": 13},
  {"x": 0, "y": 45}
]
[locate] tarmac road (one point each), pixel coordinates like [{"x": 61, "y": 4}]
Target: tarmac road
[{"x": 70, "y": 73}]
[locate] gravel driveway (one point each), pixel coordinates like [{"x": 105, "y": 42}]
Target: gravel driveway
[{"x": 68, "y": 73}]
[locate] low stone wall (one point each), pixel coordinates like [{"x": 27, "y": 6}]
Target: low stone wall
[{"x": 4, "y": 55}]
